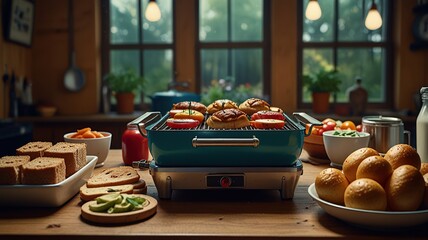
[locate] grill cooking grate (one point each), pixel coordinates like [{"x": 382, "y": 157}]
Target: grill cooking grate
[{"x": 290, "y": 125}]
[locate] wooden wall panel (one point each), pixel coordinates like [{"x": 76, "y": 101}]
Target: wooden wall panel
[
  {"x": 284, "y": 54},
  {"x": 51, "y": 55},
  {"x": 411, "y": 72},
  {"x": 18, "y": 58}
]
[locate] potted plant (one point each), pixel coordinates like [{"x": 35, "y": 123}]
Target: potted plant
[
  {"x": 322, "y": 84},
  {"x": 124, "y": 85}
]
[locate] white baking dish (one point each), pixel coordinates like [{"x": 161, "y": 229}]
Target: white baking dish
[{"x": 51, "y": 195}]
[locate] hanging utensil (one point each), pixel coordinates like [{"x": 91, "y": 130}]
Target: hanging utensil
[{"x": 74, "y": 78}]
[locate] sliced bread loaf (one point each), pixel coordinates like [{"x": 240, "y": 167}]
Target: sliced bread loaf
[
  {"x": 10, "y": 168},
  {"x": 43, "y": 170},
  {"x": 74, "y": 155},
  {"x": 114, "y": 176},
  {"x": 33, "y": 149},
  {"x": 88, "y": 194}
]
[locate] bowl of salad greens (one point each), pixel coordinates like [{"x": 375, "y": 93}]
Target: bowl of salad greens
[{"x": 340, "y": 143}]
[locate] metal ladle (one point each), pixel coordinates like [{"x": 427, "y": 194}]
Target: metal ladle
[{"x": 74, "y": 78}]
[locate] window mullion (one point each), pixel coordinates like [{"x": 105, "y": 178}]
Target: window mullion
[{"x": 140, "y": 36}]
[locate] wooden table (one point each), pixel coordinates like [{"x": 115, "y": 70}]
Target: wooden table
[{"x": 195, "y": 214}]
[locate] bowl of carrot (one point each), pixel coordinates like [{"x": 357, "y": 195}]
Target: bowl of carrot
[{"x": 97, "y": 142}]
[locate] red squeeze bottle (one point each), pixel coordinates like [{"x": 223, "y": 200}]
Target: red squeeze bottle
[{"x": 134, "y": 145}]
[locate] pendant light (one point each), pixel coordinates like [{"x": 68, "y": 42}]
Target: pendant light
[
  {"x": 373, "y": 19},
  {"x": 153, "y": 12},
  {"x": 313, "y": 10}
]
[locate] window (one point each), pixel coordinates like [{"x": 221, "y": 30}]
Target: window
[
  {"x": 132, "y": 42},
  {"x": 339, "y": 40},
  {"x": 233, "y": 49}
]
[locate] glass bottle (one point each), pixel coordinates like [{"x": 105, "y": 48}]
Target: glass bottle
[
  {"x": 134, "y": 145},
  {"x": 422, "y": 127}
]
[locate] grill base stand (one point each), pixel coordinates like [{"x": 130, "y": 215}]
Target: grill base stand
[{"x": 168, "y": 179}]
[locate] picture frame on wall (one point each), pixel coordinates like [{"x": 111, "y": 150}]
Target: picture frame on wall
[{"x": 19, "y": 21}]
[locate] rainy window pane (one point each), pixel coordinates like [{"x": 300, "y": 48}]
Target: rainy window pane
[
  {"x": 123, "y": 21},
  {"x": 160, "y": 31}
]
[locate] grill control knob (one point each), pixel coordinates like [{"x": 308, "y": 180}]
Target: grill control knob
[{"x": 225, "y": 182}]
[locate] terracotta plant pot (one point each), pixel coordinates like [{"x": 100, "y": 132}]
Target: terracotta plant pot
[
  {"x": 320, "y": 102},
  {"x": 125, "y": 103}
]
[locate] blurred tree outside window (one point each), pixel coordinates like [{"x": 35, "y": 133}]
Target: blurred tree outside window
[
  {"x": 339, "y": 40},
  {"x": 232, "y": 49},
  {"x": 138, "y": 44}
]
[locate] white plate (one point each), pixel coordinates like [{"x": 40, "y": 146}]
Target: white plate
[
  {"x": 51, "y": 195},
  {"x": 369, "y": 218}
]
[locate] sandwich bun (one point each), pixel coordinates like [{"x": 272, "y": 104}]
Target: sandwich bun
[
  {"x": 403, "y": 154},
  {"x": 351, "y": 163},
  {"x": 228, "y": 119},
  {"x": 375, "y": 168},
  {"x": 405, "y": 189},
  {"x": 365, "y": 193},
  {"x": 330, "y": 185}
]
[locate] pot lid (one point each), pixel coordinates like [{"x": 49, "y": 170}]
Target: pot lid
[
  {"x": 173, "y": 93},
  {"x": 382, "y": 120}
]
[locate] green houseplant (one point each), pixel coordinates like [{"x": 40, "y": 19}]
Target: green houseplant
[
  {"x": 124, "y": 85},
  {"x": 321, "y": 85}
]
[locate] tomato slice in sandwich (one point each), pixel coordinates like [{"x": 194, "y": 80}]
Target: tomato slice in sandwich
[
  {"x": 268, "y": 123},
  {"x": 182, "y": 123},
  {"x": 267, "y": 115}
]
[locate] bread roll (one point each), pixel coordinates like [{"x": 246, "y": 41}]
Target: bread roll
[
  {"x": 220, "y": 105},
  {"x": 425, "y": 200},
  {"x": 228, "y": 119},
  {"x": 405, "y": 189},
  {"x": 375, "y": 168},
  {"x": 424, "y": 168},
  {"x": 402, "y": 154},
  {"x": 365, "y": 193},
  {"x": 330, "y": 185},
  {"x": 253, "y": 105},
  {"x": 192, "y": 105},
  {"x": 10, "y": 169},
  {"x": 43, "y": 170},
  {"x": 351, "y": 163},
  {"x": 33, "y": 149}
]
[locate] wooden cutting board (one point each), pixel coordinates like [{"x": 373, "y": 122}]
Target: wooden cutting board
[{"x": 125, "y": 217}]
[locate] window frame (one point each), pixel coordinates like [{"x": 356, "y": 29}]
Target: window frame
[
  {"x": 107, "y": 47},
  {"x": 386, "y": 44},
  {"x": 264, "y": 45}
]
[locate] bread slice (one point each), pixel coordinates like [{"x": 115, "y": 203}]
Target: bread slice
[
  {"x": 114, "y": 176},
  {"x": 89, "y": 194},
  {"x": 33, "y": 149},
  {"x": 74, "y": 155},
  {"x": 140, "y": 187},
  {"x": 43, "y": 170},
  {"x": 10, "y": 169}
]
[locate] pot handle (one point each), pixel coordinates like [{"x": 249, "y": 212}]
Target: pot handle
[
  {"x": 306, "y": 118},
  {"x": 225, "y": 142},
  {"x": 145, "y": 120}
]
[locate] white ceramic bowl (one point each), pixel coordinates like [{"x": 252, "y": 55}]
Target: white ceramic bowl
[
  {"x": 94, "y": 146},
  {"x": 339, "y": 147}
]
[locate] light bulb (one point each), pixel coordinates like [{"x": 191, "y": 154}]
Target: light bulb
[
  {"x": 313, "y": 10},
  {"x": 373, "y": 19},
  {"x": 153, "y": 12}
]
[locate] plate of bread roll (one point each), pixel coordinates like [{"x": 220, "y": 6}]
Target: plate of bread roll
[{"x": 43, "y": 174}]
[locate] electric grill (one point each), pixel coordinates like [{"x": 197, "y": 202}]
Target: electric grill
[{"x": 207, "y": 158}]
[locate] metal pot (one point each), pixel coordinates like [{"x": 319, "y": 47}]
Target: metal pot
[
  {"x": 163, "y": 101},
  {"x": 385, "y": 132}
]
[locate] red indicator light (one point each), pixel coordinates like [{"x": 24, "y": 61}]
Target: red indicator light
[{"x": 225, "y": 182}]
